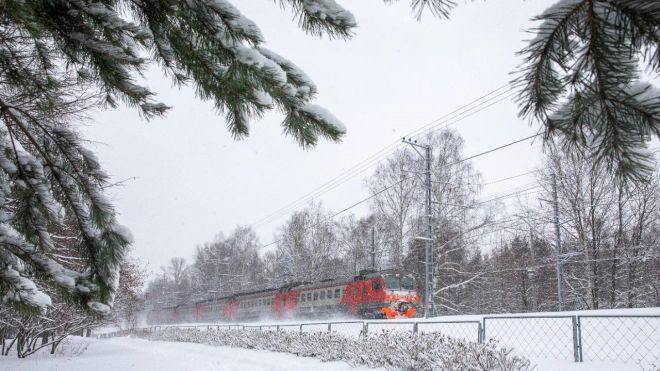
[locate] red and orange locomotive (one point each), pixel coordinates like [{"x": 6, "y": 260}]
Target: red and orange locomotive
[{"x": 387, "y": 294}]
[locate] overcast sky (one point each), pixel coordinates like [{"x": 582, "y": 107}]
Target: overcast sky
[{"x": 190, "y": 180}]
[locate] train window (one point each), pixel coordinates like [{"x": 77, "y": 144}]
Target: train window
[
  {"x": 309, "y": 296},
  {"x": 391, "y": 282},
  {"x": 337, "y": 293},
  {"x": 302, "y": 297},
  {"x": 354, "y": 292},
  {"x": 261, "y": 302},
  {"x": 329, "y": 294},
  {"x": 408, "y": 282},
  {"x": 322, "y": 295},
  {"x": 316, "y": 295},
  {"x": 375, "y": 285}
]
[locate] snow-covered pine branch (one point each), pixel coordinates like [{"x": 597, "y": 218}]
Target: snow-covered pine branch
[{"x": 581, "y": 79}]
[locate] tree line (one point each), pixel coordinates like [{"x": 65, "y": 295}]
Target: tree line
[{"x": 491, "y": 254}]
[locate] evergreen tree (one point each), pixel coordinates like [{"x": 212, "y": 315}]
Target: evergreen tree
[
  {"x": 581, "y": 79},
  {"x": 60, "y": 58}
]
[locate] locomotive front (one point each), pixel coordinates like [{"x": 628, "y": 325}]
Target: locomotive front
[{"x": 400, "y": 295}]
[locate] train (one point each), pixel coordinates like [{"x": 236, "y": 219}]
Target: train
[{"x": 369, "y": 295}]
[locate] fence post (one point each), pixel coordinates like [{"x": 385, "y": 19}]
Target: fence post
[
  {"x": 301, "y": 328},
  {"x": 480, "y": 339},
  {"x": 329, "y": 328},
  {"x": 576, "y": 344},
  {"x": 366, "y": 328},
  {"x": 579, "y": 336},
  {"x": 277, "y": 328},
  {"x": 483, "y": 331},
  {"x": 415, "y": 327}
]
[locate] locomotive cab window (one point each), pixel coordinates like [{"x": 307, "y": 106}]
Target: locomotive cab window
[
  {"x": 391, "y": 282},
  {"x": 407, "y": 282},
  {"x": 375, "y": 285}
]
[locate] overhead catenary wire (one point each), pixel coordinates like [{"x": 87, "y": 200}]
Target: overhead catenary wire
[
  {"x": 403, "y": 179},
  {"x": 374, "y": 159},
  {"x": 341, "y": 179}
]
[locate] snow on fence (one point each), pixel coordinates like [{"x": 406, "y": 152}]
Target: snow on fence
[{"x": 575, "y": 338}]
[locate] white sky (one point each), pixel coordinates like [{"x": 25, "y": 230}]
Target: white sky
[{"x": 192, "y": 180}]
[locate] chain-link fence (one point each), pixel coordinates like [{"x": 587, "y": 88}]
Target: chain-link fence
[
  {"x": 542, "y": 336},
  {"x": 391, "y": 327},
  {"x": 349, "y": 329},
  {"x": 576, "y": 338},
  {"x": 620, "y": 339},
  {"x": 466, "y": 330}
]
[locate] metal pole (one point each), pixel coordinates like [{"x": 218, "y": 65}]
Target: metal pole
[
  {"x": 428, "y": 259},
  {"x": 534, "y": 273},
  {"x": 560, "y": 291},
  {"x": 429, "y": 243},
  {"x": 373, "y": 248}
]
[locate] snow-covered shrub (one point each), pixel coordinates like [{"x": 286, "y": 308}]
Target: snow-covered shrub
[{"x": 397, "y": 351}]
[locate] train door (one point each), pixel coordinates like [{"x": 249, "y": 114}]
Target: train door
[{"x": 278, "y": 305}]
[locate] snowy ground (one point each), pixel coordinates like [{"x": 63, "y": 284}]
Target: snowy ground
[
  {"x": 142, "y": 355},
  {"x": 126, "y": 354},
  {"x": 137, "y": 354}
]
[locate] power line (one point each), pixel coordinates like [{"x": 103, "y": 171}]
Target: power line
[
  {"x": 403, "y": 179},
  {"x": 374, "y": 159},
  {"x": 346, "y": 209},
  {"x": 504, "y": 146},
  {"x": 512, "y": 177}
]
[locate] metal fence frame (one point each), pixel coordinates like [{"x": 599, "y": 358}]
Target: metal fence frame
[{"x": 576, "y": 335}]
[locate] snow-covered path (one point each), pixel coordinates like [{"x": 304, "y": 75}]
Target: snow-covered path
[{"x": 126, "y": 354}]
